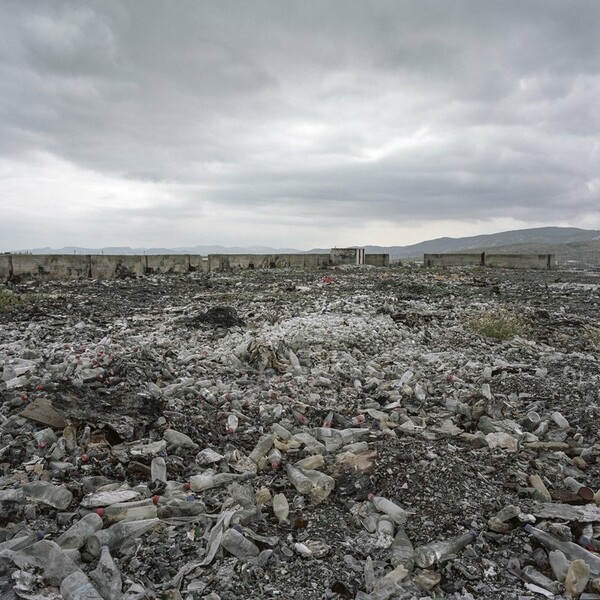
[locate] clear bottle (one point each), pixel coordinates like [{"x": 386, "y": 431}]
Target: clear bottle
[
  {"x": 314, "y": 461},
  {"x": 232, "y": 423},
  {"x": 389, "y": 508},
  {"x": 281, "y": 508},
  {"x": 402, "y": 550},
  {"x": 274, "y": 458},
  {"x": 532, "y": 575},
  {"x": 300, "y": 481},
  {"x": 130, "y": 511},
  {"x": 385, "y": 529},
  {"x": 47, "y": 493},
  {"x": 571, "y": 550},
  {"x": 70, "y": 436},
  {"x": 577, "y": 578},
  {"x": 22, "y": 542},
  {"x": 158, "y": 470},
  {"x": 210, "y": 479},
  {"x": 238, "y": 545},
  {"x": 175, "y": 507},
  {"x": 425, "y": 556},
  {"x": 116, "y": 535},
  {"x": 107, "y": 576},
  {"x": 77, "y": 586},
  {"x": 264, "y": 444},
  {"x": 79, "y": 532},
  {"x": 559, "y": 564},
  {"x": 322, "y": 484},
  {"x": 328, "y": 420}
]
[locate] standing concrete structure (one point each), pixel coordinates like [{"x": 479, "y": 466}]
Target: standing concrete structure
[
  {"x": 83, "y": 266},
  {"x": 505, "y": 261}
]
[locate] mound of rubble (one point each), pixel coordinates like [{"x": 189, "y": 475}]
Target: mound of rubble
[{"x": 297, "y": 434}]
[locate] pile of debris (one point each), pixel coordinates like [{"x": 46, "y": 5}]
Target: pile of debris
[{"x": 293, "y": 435}]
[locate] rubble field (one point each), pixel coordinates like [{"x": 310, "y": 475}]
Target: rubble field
[{"x": 354, "y": 433}]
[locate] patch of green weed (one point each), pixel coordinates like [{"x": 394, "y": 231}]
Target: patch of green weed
[
  {"x": 9, "y": 300},
  {"x": 500, "y": 324}
]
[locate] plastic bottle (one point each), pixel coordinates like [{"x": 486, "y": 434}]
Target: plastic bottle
[
  {"x": 559, "y": 564},
  {"x": 22, "y": 542},
  {"x": 532, "y": 575},
  {"x": 281, "y": 508},
  {"x": 589, "y": 543},
  {"x": 210, "y": 479},
  {"x": 85, "y": 436},
  {"x": 107, "y": 576},
  {"x": 322, "y": 484},
  {"x": 53, "y": 495},
  {"x": 543, "y": 495},
  {"x": 560, "y": 420},
  {"x": 577, "y": 578},
  {"x": 264, "y": 444},
  {"x": 385, "y": 526},
  {"x": 332, "y": 438},
  {"x": 571, "y": 550},
  {"x": 427, "y": 555},
  {"x": 274, "y": 458},
  {"x": 116, "y": 535},
  {"x": 328, "y": 420},
  {"x": 238, "y": 545},
  {"x": 281, "y": 432},
  {"x": 232, "y": 423},
  {"x": 389, "y": 508},
  {"x": 130, "y": 511},
  {"x": 78, "y": 533},
  {"x": 70, "y": 436},
  {"x": 578, "y": 488},
  {"x": 302, "y": 483},
  {"x": 77, "y": 586},
  {"x": 403, "y": 552},
  {"x": 158, "y": 469},
  {"x": 170, "y": 508},
  {"x": 311, "y": 462}
]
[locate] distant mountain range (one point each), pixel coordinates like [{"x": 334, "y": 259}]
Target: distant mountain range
[{"x": 568, "y": 243}]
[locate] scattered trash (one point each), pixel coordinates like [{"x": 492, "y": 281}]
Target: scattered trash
[{"x": 294, "y": 435}]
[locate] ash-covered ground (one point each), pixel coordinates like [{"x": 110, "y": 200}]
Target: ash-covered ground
[{"x": 392, "y": 375}]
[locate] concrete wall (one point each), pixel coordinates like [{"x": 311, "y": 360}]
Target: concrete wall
[
  {"x": 377, "y": 260},
  {"x": 347, "y": 256},
  {"x": 79, "y": 266},
  {"x": 107, "y": 267},
  {"x": 521, "y": 261},
  {"x": 453, "y": 260},
  {"x": 50, "y": 266},
  {"x": 167, "y": 263},
  {"x": 507, "y": 261},
  {"x": 5, "y": 267},
  {"x": 224, "y": 262}
]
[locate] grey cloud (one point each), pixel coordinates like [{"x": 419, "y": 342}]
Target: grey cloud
[{"x": 406, "y": 110}]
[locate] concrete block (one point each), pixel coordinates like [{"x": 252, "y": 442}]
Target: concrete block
[
  {"x": 377, "y": 260},
  {"x": 453, "y": 260},
  {"x": 198, "y": 262},
  {"x": 521, "y": 261},
  {"x": 167, "y": 263},
  {"x": 5, "y": 267},
  {"x": 109, "y": 266}
]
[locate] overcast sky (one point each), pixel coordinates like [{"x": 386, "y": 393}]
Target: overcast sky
[{"x": 295, "y": 123}]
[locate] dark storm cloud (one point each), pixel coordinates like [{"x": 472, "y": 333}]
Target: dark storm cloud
[{"x": 404, "y": 110}]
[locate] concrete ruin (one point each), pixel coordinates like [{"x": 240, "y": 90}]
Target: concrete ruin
[
  {"x": 483, "y": 259},
  {"x": 94, "y": 266}
]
